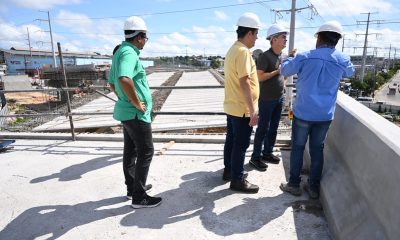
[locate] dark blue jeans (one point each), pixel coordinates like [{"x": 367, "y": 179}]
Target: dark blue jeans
[
  {"x": 237, "y": 141},
  {"x": 316, "y": 133},
  {"x": 269, "y": 116},
  {"x": 138, "y": 153}
]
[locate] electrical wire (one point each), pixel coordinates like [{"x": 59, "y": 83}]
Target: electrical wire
[{"x": 169, "y": 12}]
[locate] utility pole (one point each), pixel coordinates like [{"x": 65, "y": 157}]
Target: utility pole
[
  {"x": 390, "y": 51},
  {"x": 365, "y": 43},
  {"x": 29, "y": 42},
  {"x": 343, "y": 39},
  {"x": 292, "y": 11},
  {"x": 374, "y": 77},
  {"x": 394, "y": 57},
  {"x": 187, "y": 59},
  {"x": 51, "y": 36}
]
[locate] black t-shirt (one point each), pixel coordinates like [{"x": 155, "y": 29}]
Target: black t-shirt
[{"x": 270, "y": 89}]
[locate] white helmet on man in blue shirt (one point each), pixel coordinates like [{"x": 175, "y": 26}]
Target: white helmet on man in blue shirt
[{"x": 331, "y": 26}]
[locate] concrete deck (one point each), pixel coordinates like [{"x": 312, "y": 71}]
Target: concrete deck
[
  {"x": 99, "y": 105},
  {"x": 192, "y": 100},
  {"x": 75, "y": 190}
]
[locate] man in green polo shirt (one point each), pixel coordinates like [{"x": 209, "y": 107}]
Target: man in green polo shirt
[{"x": 133, "y": 108}]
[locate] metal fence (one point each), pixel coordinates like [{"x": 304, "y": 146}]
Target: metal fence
[{"x": 32, "y": 118}]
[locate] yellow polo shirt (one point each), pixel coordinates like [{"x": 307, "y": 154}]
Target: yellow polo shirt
[{"x": 239, "y": 63}]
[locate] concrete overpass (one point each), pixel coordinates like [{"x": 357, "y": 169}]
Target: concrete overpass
[{"x": 57, "y": 178}]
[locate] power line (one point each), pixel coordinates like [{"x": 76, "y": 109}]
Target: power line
[
  {"x": 221, "y": 31},
  {"x": 171, "y": 12}
]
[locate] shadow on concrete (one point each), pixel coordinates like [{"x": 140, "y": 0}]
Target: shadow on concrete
[
  {"x": 62, "y": 148},
  {"x": 53, "y": 221},
  {"x": 195, "y": 197},
  {"x": 76, "y": 171},
  {"x": 61, "y": 145}
]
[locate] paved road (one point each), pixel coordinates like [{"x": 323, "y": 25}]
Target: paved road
[{"x": 382, "y": 94}]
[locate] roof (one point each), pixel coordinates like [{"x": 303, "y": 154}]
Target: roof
[{"x": 37, "y": 52}]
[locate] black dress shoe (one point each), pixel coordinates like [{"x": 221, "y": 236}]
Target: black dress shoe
[
  {"x": 258, "y": 164},
  {"x": 227, "y": 175},
  {"x": 271, "y": 159},
  {"x": 243, "y": 186}
]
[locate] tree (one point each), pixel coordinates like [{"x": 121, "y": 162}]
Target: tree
[{"x": 215, "y": 63}]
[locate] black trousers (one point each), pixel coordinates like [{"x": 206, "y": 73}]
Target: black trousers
[{"x": 138, "y": 153}]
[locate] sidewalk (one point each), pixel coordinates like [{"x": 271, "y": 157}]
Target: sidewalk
[{"x": 75, "y": 190}]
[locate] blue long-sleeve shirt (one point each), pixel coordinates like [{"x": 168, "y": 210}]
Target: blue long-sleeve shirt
[{"x": 319, "y": 73}]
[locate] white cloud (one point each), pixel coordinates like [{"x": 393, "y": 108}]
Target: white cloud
[
  {"x": 174, "y": 38},
  {"x": 17, "y": 36},
  {"x": 104, "y": 31},
  {"x": 43, "y": 4},
  {"x": 221, "y": 15},
  {"x": 351, "y": 8}
]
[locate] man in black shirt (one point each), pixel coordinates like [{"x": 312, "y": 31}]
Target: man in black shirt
[{"x": 271, "y": 98}]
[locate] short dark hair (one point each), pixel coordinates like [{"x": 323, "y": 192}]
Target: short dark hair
[
  {"x": 141, "y": 34},
  {"x": 116, "y": 48},
  {"x": 242, "y": 31},
  {"x": 330, "y": 38}
]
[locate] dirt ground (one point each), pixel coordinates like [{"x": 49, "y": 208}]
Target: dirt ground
[{"x": 28, "y": 97}]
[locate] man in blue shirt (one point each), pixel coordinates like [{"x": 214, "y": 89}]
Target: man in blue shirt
[{"x": 319, "y": 73}]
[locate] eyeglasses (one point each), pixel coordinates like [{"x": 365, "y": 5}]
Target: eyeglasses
[{"x": 143, "y": 35}]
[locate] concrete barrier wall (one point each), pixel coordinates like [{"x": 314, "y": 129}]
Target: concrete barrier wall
[{"x": 360, "y": 188}]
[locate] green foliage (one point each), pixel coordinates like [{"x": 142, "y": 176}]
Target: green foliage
[
  {"x": 372, "y": 82},
  {"x": 356, "y": 84},
  {"x": 19, "y": 120},
  {"x": 215, "y": 63}
]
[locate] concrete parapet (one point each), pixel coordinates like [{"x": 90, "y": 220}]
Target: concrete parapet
[{"x": 360, "y": 183}]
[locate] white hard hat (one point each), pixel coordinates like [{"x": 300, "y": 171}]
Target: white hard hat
[
  {"x": 249, "y": 20},
  {"x": 275, "y": 29},
  {"x": 331, "y": 26},
  {"x": 135, "y": 24}
]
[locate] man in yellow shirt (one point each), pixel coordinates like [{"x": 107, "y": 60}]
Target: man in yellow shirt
[{"x": 241, "y": 102}]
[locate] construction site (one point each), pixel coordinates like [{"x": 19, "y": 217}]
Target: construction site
[{"x": 62, "y": 153}]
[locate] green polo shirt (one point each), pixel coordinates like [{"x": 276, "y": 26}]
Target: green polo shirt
[{"x": 126, "y": 63}]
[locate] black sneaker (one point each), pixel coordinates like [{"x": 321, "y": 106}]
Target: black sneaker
[
  {"x": 146, "y": 202},
  {"x": 226, "y": 176},
  {"x": 271, "y": 159},
  {"x": 257, "y": 164},
  {"x": 313, "y": 194},
  {"x": 243, "y": 186},
  {"x": 146, "y": 188}
]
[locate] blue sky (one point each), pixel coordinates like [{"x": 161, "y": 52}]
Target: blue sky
[{"x": 177, "y": 27}]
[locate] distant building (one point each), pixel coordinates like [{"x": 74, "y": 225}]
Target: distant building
[
  {"x": 371, "y": 63},
  {"x": 205, "y": 62},
  {"x": 23, "y": 61},
  {"x": 3, "y": 69}
]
